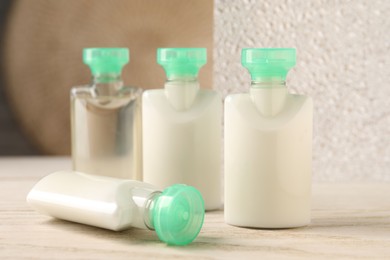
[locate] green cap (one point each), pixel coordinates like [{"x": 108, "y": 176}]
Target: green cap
[
  {"x": 268, "y": 62},
  {"x": 106, "y": 60},
  {"x": 178, "y": 214},
  {"x": 181, "y": 62}
]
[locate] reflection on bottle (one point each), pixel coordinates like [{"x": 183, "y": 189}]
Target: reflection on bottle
[{"x": 106, "y": 119}]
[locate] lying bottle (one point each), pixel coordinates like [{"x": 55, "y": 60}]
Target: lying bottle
[
  {"x": 176, "y": 214},
  {"x": 268, "y": 146},
  {"x": 106, "y": 118},
  {"x": 182, "y": 127}
]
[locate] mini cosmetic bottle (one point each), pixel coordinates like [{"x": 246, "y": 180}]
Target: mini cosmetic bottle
[
  {"x": 176, "y": 213},
  {"x": 106, "y": 118},
  {"x": 182, "y": 127},
  {"x": 268, "y": 146}
]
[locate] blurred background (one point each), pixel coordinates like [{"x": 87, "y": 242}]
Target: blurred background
[
  {"x": 41, "y": 47},
  {"x": 343, "y": 52},
  {"x": 12, "y": 140},
  {"x": 343, "y": 62}
]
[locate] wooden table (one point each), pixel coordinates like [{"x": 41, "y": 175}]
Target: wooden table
[{"x": 349, "y": 220}]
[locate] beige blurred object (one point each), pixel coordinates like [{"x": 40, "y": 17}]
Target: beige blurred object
[{"x": 43, "y": 53}]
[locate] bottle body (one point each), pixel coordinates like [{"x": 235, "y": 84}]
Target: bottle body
[
  {"x": 99, "y": 201},
  {"x": 268, "y": 151},
  {"x": 181, "y": 138},
  {"x": 106, "y": 131}
]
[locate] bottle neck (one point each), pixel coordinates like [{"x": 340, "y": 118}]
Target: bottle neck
[
  {"x": 107, "y": 84},
  {"x": 268, "y": 82},
  {"x": 269, "y": 95},
  {"x": 148, "y": 209},
  {"x": 181, "y": 92}
]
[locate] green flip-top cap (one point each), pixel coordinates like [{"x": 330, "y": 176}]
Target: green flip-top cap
[
  {"x": 265, "y": 63},
  {"x": 181, "y": 62},
  {"x": 106, "y": 60},
  {"x": 178, "y": 214}
]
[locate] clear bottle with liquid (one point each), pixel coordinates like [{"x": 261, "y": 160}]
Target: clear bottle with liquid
[
  {"x": 182, "y": 127},
  {"x": 176, "y": 213},
  {"x": 106, "y": 118},
  {"x": 268, "y": 146}
]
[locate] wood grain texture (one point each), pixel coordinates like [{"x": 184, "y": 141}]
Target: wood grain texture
[{"x": 349, "y": 221}]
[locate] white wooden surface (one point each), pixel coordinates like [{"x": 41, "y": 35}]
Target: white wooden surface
[{"x": 349, "y": 220}]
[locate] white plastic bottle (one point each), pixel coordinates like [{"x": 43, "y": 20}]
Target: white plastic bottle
[
  {"x": 176, "y": 214},
  {"x": 182, "y": 128},
  {"x": 268, "y": 147},
  {"x": 106, "y": 118}
]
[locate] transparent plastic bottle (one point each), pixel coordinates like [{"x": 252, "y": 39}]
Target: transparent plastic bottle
[
  {"x": 182, "y": 127},
  {"x": 268, "y": 146},
  {"x": 106, "y": 118},
  {"x": 176, "y": 214}
]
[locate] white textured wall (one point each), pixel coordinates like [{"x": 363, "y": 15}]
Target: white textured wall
[{"x": 343, "y": 52}]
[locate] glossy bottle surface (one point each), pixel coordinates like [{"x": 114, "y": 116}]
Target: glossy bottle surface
[
  {"x": 183, "y": 145},
  {"x": 268, "y": 146},
  {"x": 106, "y": 118},
  {"x": 93, "y": 200},
  {"x": 182, "y": 127},
  {"x": 268, "y": 160},
  {"x": 106, "y": 132},
  {"x": 176, "y": 214}
]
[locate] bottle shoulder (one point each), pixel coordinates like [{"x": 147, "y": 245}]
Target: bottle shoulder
[
  {"x": 246, "y": 97},
  {"x": 240, "y": 107},
  {"x": 207, "y": 103},
  {"x": 159, "y": 97},
  {"x": 151, "y": 93},
  {"x": 88, "y": 91},
  {"x": 243, "y": 101},
  {"x": 80, "y": 90}
]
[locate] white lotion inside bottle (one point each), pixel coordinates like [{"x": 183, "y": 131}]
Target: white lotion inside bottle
[
  {"x": 182, "y": 127},
  {"x": 182, "y": 93},
  {"x": 118, "y": 204},
  {"x": 268, "y": 136},
  {"x": 269, "y": 97}
]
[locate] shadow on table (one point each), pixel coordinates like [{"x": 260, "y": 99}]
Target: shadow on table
[{"x": 133, "y": 236}]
